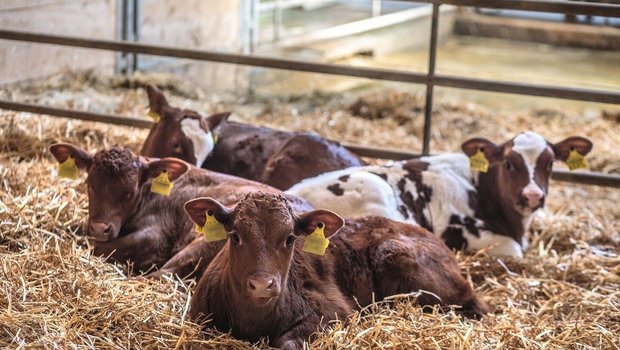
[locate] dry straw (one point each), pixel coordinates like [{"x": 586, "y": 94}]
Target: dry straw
[{"x": 565, "y": 293}]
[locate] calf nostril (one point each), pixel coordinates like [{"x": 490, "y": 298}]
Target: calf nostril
[
  {"x": 270, "y": 283},
  {"x": 251, "y": 285}
]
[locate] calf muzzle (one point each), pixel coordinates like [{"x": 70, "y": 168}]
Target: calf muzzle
[
  {"x": 262, "y": 288},
  {"x": 100, "y": 231},
  {"x": 533, "y": 197}
]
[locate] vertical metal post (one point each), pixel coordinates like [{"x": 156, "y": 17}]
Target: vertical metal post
[
  {"x": 245, "y": 26},
  {"x": 136, "y": 26},
  {"x": 121, "y": 34},
  {"x": 430, "y": 78},
  {"x": 128, "y": 14},
  {"x": 254, "y": 15},
  {"x": 277, "y": 21},
  {"x": 376, "y": 8}
]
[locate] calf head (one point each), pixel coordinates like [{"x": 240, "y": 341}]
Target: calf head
[
  {"x": 520, "y": 168},
  {"x": 262, "y": 230},
  {"x": 114, "y": 180},
  {"x": 179, "y": 133}
]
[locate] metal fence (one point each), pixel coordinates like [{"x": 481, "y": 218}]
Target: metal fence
[{"x": 430, "y": 79}]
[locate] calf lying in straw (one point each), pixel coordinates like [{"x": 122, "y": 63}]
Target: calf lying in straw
[
  {"x": 489, "y": 204},
  {"x": 277, "y": 277},
  {"x": 135, "y": 204},
  {"x": 277, "y": 158}
]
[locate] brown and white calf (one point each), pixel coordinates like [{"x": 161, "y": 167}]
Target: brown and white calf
[
  {"x": 128, "y": 222},
  {"x": 277, "y": 158},
  {"x": 179, "y": 133},
  {"x": 466, "y": 208},
  {"x": 263, "y": 284}
]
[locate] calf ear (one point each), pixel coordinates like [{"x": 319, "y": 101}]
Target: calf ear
[
  {"x": 197, "y": 209},
  {"x": 562, "y": 149},
  {"x": 62, "y": 151},
  {"x": 215, "y": 119},
  {"x": 491, "y": 151},
  {"x": 308, "y": 222},
  {"x": 175, "y": 167},
  {"x": 157, "y": 100}
]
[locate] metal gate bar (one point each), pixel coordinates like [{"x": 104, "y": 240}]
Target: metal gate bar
[
  {"x": 572, "y": 7},
  {"x": 430, "y": 81},
  {"x": 581, "y": 94}
]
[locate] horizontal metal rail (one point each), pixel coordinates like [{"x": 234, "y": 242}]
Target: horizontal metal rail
[
  {"x": 581, "y": 94},
  {"x": 571, "y": 7},
  {"x": 70, "y": 113},
  {"x": 588, "y": 178}
]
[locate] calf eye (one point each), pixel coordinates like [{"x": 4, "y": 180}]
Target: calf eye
[
  {"x": 235, "y": 238},
  {"x": 508, "y": 165},
  {"x": 290, "y": 240}
]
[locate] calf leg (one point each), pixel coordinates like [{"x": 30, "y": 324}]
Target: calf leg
[
  {"x": 143, "y": 248},
  {"x": 191, "y": 261},
  {"x": 404, "y": 265}
]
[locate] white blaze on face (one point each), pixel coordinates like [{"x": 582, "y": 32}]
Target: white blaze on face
[
  {"x": 530, "y": 145},
  {"x": 201, "y": 139}
]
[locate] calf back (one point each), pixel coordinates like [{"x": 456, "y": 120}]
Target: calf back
[
  {"x": 277, "y": 158},
  {"x": 244, "y": 150}
]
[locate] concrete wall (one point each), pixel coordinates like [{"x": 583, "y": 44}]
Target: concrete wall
[
  {"x": 23, "y": 61},
  {"x": 199, "y": 24}
]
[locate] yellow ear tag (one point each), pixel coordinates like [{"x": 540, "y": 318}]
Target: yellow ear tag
[
  {"x": 215, "y": 137},
  {"x": 162, "y": 184},
  {"x": 153, "y": 116},
  {"x": 479, "y": 162},
  {"x": 316, "y": 243},
  {"x": 213, "y": 230},
  {"x": 68, "y": 169},
  {"x": 576, "y": 161}
]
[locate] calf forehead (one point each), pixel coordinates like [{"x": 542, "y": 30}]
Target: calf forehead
[
  {"x": 264, "y": 216},
  {"x": 119, "y": 165},
  {"x": 530, "y": 146}
]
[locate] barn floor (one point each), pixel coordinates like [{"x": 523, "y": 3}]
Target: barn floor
[{"x": 565, "y": 293}]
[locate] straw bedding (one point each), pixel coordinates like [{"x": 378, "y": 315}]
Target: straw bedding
[{"x": 565, "y": 293}]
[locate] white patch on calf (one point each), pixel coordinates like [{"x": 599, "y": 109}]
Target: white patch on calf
[
  {"x": 363, "y": 194},
  {"x": 530, "y": 146},
  {"x": 450, "y": 178},
  {"x": 201, "y": 139},
  {"x": 500, "y": 245}
]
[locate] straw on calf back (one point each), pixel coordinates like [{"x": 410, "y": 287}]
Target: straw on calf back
[
  {"x": 468, "y": 208},
  {"x": 277, "y": 158},
  {"x": 265, "y": 283},
  {"x": 130, "y": 223}
]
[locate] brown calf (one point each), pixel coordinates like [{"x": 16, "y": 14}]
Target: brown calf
[
  {"x": 128, "y": 222},
  {"x": 277, "y": 158},
  {"x": 263, "y": 283}
]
